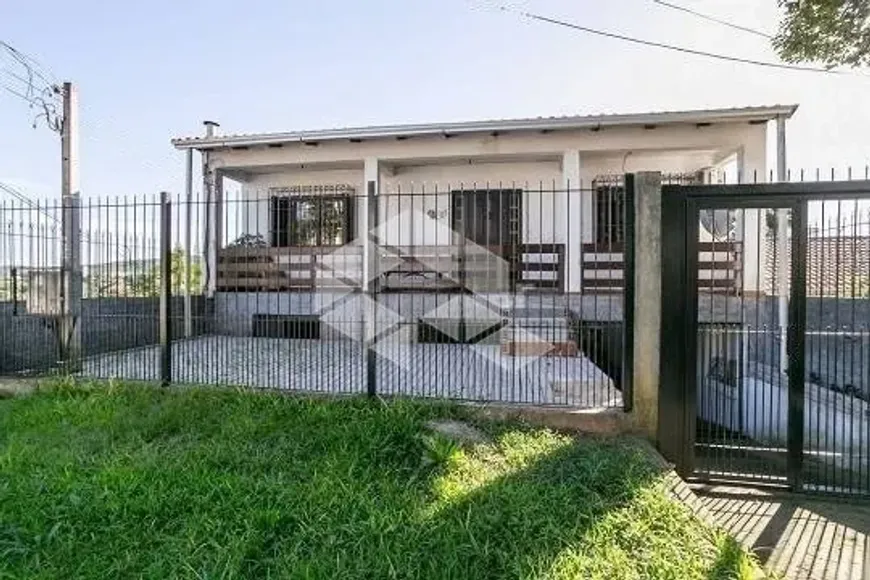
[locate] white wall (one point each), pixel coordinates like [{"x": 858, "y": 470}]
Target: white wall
[
  {"x": 725, "y": 136},
  {"x": 253, "y": 209},
  {"x": 418, "y": 174},
  {"x": 417, "y": 190}
]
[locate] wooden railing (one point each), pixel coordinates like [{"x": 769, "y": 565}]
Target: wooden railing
[
  {"x": 719, "y": 267},
  {"x": 417, "y": 268},
  {"x": 256, "y": 269}
]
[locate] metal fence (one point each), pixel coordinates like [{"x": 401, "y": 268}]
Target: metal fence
[
  {"x": 775, "y": 380},
  {"x": 508, "y": 293}
]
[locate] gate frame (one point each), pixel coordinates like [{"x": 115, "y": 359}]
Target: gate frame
[{"x": 679, "y": 305}]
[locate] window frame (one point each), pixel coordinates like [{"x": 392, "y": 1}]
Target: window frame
[
  {"x": 288, "y": 237},
  {"x": 612, "y": 231}
]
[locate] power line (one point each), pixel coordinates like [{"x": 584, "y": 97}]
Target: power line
[
  {"x": 12, "y": 91},
  {"x": 681, "y": 49},
  {"x": 48, "y": 91},
  {"x": 33, "y": 66},
  {"x": 17, "y": 194},
  {"x": 39, "y": 91},
  {"x": 713, "y": 19}
]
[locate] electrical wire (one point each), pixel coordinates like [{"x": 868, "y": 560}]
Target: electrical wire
[
  {"x": 44, "y": 98},
  {"x": 32, "y": 65},
  {"x": 23, "y": 198},
  {"x": 21, "y": 96},
  {"x": 682, "y": 49},
  {"x": 713, "y": 19},
  {"x": 47, "y": 92}
]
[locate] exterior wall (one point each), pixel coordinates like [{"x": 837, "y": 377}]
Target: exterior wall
[
  {"x": 415, "y": 199},
  {"x": 417, "y": 175},
  {"x": 29, "y": 342},
  {"x": 253, "y": 217},
  {"x": 234, "y": 311}
]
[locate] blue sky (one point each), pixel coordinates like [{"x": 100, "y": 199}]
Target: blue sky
[{"x": 150, "y": 71}]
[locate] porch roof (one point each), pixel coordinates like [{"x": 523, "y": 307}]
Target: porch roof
[{"x": 705, "y": 116}]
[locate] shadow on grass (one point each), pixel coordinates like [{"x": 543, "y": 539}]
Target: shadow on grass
[
  {"x": 732, "y": 562},
  {"x": 518, "y": 525},
  {"x": 249, "y": 486},
  {"x": 522, "y": 521}
]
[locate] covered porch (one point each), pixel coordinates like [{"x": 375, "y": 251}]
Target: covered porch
[{"x": 484, "y": 224}]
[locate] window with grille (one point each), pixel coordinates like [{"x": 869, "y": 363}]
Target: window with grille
[
  {"x": 609, "y": 214},
  {"x": 310, "y": 220}
]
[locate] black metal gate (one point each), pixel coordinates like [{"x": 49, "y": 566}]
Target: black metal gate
[{"x": 766, "y": 314}]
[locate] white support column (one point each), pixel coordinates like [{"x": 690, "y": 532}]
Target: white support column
[
  {"x": 208, "y": 186},
  {"x": 372, "y": 184},
  {"x": 587, "y": 211},
  {"x": 752, "y": 168},
  {"x": 371, "y": 173},
  {"x": 218, "y": 213},
  {"x": 571, "y": 213}
]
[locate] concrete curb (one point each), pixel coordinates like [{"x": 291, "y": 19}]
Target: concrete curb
[
  {"x": 598, "y": 421},
  {"x": 16, "y": 387}
]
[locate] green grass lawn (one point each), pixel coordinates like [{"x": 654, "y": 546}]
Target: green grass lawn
[{"x": 124, "y": 482}]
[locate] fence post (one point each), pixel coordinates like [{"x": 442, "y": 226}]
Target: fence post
[
  {"x": 796, "y": 337},
  {"x": 165, "y": 290},
  {"x": 371, "y": 286},
  {"x": 647, "y": 318},
  {"x": 14, "y": 273},
  {"x": 71, "y": 297},
  {"x": 628, "y": 296}
]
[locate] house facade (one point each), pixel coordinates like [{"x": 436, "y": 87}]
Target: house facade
[{"x": 541, "y": 198}]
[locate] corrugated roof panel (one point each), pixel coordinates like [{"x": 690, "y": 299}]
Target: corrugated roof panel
[{"x": 568, "y": 122}]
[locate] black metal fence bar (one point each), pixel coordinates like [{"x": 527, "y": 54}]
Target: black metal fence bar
[
  {"x": 777, "y": 381},
  {"x": 165, "y": 290},
  {"x": 469, "y": 291}
]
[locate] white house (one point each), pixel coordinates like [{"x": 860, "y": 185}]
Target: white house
[{"x": 527, "y": 204}]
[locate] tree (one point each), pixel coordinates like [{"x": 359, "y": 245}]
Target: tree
[
  {"x": 830, "y": 32},
  {"x": 7, "y": 286},
  {"x": 147, "y": 283}
]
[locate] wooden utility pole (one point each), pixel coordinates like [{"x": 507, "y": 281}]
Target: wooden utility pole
[{"x": 71, "y": 269}]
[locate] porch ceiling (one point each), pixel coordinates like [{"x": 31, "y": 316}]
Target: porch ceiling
[{"x": 675, "y": 159}]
